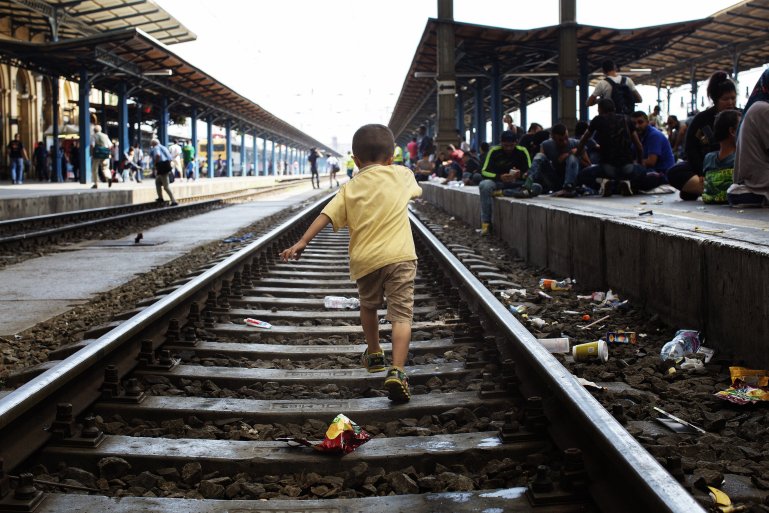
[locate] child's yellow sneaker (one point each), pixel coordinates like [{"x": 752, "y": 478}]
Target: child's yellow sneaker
[
  {"x": 374, "y": 362},
  {"x": 397, "y": 385}
]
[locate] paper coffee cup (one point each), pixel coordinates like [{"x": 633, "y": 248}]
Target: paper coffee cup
[
  {"x": 597, "y": 350},
  {"x": 555, "y": 345}
]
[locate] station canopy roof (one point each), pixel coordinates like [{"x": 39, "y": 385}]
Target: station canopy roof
[
  {"x": 527, "y": 58},
  {"x": 150, "y": 68},
  {"x": 78, "y": 18}
]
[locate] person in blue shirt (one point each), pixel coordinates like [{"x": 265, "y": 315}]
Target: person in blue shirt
[
  {"x": 657, "y": 154},
  {"x": 161, "y": 157}
]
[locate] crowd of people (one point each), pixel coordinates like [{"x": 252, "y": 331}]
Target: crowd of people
[{"x": 720, "y": 155}]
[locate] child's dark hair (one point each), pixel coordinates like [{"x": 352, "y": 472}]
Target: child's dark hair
[
  {"x": 725, "y": 120},
  {"x": 720, "y": 84},
  {"x": 373, "y": 143}
]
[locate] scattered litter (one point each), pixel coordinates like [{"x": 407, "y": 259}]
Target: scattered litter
[
  {"x": 590, "y": 384},
  {"x": 517, "y": 309},
  {"x": 597, "y": 350},
  {"x": 620, "y": 337},
  {"x": 707, "y": 352},
  {"x": 678, "y": 425},
  {"x": 586, "y": 317},
  {"x": 646, "y": 213},
  {"x": 586, "y": 326},
  {"x": 538, "y": 323},
  {"x": 542, "y": 294},
  {"x": 749, "y": 386},
  {"x": 722, "y": 501},
  {"x": 595, "y": 296},
  {"x": 255, "y": 323},
  {"x": 139, "y": 237},
  {"x": 684, "y": 342},
  {"x": 571, "y": 312},
  {"x": 242, "y": 238},
  {"x": 508, "y": 293},
  {"x": 341, "y": 303},
  {"x": 342, "y": 437},
  {"x": 555, "y": 285},
  {"x": 657, "y": 202},
  {"x": 691, "y": 364},
  {"x": 555, "y": 345},
  {"x": 642, "y": 203},
  {"x": 703, "y": 230}
]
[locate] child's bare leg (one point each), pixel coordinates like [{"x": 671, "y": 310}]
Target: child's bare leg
[
  {"x": 370, "y": 323},
  {"x": 401, "y": 340}
]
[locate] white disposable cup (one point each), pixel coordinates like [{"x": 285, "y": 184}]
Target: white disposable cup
[{"x": 555, "y": 345}]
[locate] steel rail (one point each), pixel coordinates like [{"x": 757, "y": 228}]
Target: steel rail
[
  {"x": 29, "y": 405},
  {"x": 616, "y": 462}
]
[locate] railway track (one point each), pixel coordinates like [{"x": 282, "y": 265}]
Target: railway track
[
  {"x": 183, "y": 401},
  {"x": 32, "y": 232}
]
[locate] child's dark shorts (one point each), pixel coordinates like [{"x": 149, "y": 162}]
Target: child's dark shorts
[{"x": 396, "y": 283}]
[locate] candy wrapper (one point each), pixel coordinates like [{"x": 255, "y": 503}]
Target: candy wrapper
[
  {"x": 255, "y": 323},
  {"x": 342, "y": 437},
  {"x": 749, "y": 386}
]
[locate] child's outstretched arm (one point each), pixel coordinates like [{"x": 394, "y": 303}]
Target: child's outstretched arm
[{"x": 295, "y": 251}]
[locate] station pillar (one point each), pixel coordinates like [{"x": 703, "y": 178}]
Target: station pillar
[
  {"x": 255, "y": 156},
  {"x": 272, "y": 159},
  {"x": 584, "y": 84},
  {"x": 568, "y": 61},
  {"x": 84, "y": 126},
  {"x": 56, "y": 161},
  {"x": 243, "y": 170},
  {"x": 228, "y": 146},
  {"x": 122, "y": 118},
  {"x": 554, "y": 101},
  {"x": 496, "y": 103},
  {"x": 163, "y": 121},
  {"x": 264, "y": 155},
  {"x": 194, "y": 140},
  {"x": 523, "y": 106},
  {"x": 446, "y": 79},
  {"x": 210, "y": 146},
  {"x": 479, "y": 117},
  {"x": 460, "y": 105}
]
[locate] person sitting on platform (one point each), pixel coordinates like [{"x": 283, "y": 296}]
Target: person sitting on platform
[
  {"x": 556, "y": 166},
  {"x": 503, "y": 171},
  {"x": 424, "y": 169},
  {"x": 687, "y": 176},
  {"x": 591, "y": 146},
  {"x": 751, "y": 163},
  {"x": 615, "y": 137},
  {"x": 471, "y": 167},
  {"x": 657, "y": 155},
  {"x": 718, "y": 166},
  {"x": 532, "y": 139}
]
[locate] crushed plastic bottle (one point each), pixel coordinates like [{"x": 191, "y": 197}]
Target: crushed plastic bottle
[
  {"x": 554, "y": 285},
  {"x": 684, "y": 342},
  {"x": 595, "y": 296},
  {"x": 341, "y": 303}
]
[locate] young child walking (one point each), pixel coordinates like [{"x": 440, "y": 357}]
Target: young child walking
[{"x": 373, "y": 205}]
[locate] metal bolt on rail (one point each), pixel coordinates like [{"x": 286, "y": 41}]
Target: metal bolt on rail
[
  {"x": 147, "y": 354},
  {"x": 90, "y": 429},
  {"x": 193, "y": 317},
  {"x": 236, "y": 291},
  {"x": 534, "y": 415},
  {"x": 223, "y": 301},
  {"x": 510, "y": 428},
  {"x": 172, "y": 333},
  {"x": 574, "y": 476},
  {"x": 64, "y": 424},
  {"x": 542, "y": 482}
]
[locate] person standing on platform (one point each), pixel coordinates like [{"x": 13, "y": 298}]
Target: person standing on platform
[
  {"x": 620, "y": 89},
  {"x": 74, "y": 160},
  {"x": 383, "y": 259},
  {"x": 398, "y": 155},
  {"x": 100, "y": 153},
  {"x": 350, "y": 165},
  {"x": 413, "y": 148},
  {"x": 176, "y": 151},
  {"x": 332, "y": 166},
  {"x": 139, "y": 162},
  {"x": 313, "y": 158},
  {"x": 188, "y": 156},
  {"x": 40, "y": 158},
  {"x": 161, "y": 157},
  {"x": 17, "y": 154}
]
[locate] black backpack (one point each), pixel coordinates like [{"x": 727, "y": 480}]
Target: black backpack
[{"x": 622, "y": 96}]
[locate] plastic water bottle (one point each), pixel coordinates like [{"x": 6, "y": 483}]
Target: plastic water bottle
[
  {"x": 341, "y": 303},
  {"x": 684, "y": 342},
  {"x": 555, "y": 285}
]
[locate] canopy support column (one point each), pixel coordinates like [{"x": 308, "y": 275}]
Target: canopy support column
[
  {"x": 84, "y": 122},
  {"x": 479, "y": 118},
  {"x": 523, "y": 106},
  {"x": 228, "y": 146},
  {"x": 210, "y": 145},
  {"x": 194, "y": 141},
  {"x": 496, "y": 103},
  {"x": 56, "y": 171},
  {"x": 163, "y": 121},
  {"x": 122, "y": 118}
]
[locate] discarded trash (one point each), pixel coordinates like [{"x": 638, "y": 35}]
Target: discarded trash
[
  {"x": 341, "y": 303},
  {"x": 571, "y": 312},
  {"x": 683, "y": 426},
  {"x": 657, "y": 202},
  {"x": 254, "y": 323},
  {"x": 595, "y": 296},
  {"x": 597, "y": 350},
  {"x": 508, "y": 293},
  {"x": 703, "y": 230},
  {"x": 242, "y": 238},
  {"x": 691, "y": 364},
  {"x": 518, "y": 309},
  {"x": 720, "y": 499},
  {"x": 542, "y": 294},
  {"x": 621, "y": 337},
  {"x": 342, "y": 437},
  {"x": 586, "y": 317},
  {"x": 537, "y": 322},
  {"x": 586, "y": 326},
  {"x": 742, "y": 393},
  {"x": 707, "y": 352},
  {"x": 555, "y": 345},
  {"x": 589, "y": 384},
  {"x": 646, "y": 213},
  {"x": 684, "y": 342},
  {"x": 555, "y": 285}
]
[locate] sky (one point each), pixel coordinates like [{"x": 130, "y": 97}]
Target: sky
[{"x": 328, "y": 67}]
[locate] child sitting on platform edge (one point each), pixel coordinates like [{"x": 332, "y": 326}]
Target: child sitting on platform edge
[{"x": 373, "y": 205}]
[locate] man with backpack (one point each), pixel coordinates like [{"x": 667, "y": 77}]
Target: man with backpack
[{"x": 620, "y": 89}]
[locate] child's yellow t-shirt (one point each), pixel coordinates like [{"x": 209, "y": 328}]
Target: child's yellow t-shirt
[{"x": 373, "y": 205}]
